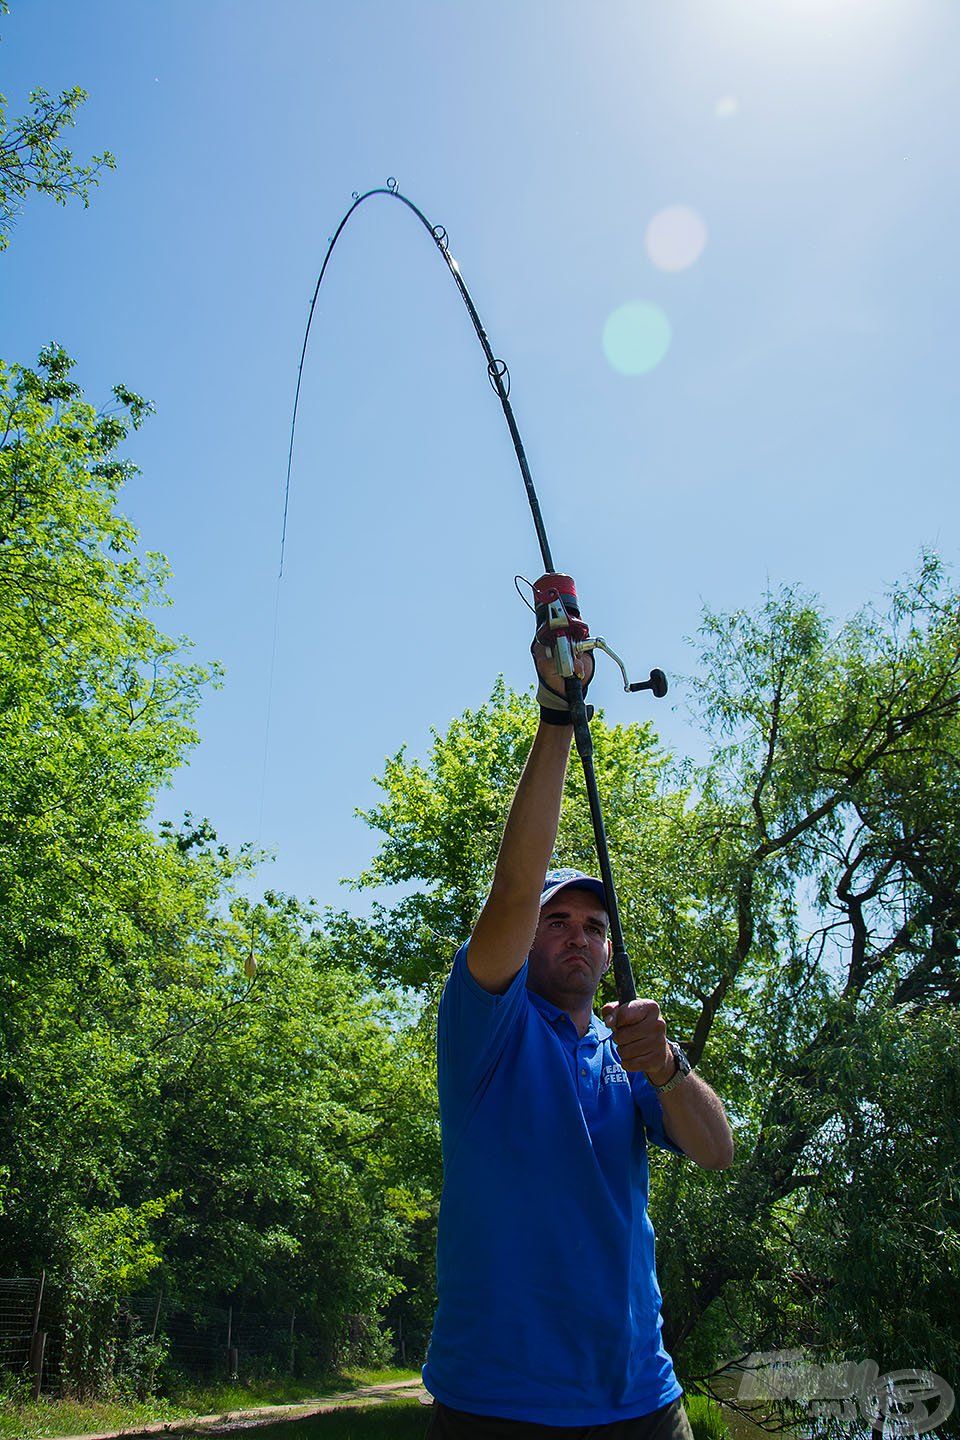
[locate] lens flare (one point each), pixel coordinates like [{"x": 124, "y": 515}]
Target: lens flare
[
  {"x": 726, "y": 107},
  {"x": 676, "y": 237},
  {"x": 636, "y": 337}
]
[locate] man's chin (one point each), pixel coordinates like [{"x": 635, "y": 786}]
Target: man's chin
[
  {"x": 577, "y": 980},
  {"x": 574, "y": 983}
]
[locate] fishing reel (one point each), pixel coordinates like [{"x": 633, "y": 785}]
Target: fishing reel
[{"x": 564, "y": 635}]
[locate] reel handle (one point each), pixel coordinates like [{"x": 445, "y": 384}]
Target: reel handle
[{"x": 565, "y": 635}]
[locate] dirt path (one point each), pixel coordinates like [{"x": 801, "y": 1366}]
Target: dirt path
[{"x": 264, "y": 1414}]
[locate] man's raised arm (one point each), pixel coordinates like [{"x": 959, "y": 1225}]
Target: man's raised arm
[{"x": 508, "y": 921}]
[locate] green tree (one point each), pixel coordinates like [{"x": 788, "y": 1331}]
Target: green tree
[
  {"x": 33, "y": 159},
  {"x": 162, "y": 1115},
  {"x": 95, "y": 710},
  {"x": 163, "y": 1118}
]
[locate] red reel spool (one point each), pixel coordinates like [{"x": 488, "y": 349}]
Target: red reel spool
[{"x": 549, "y": 589}]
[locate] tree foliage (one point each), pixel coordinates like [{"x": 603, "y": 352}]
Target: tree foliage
[
  {"x": 162, "y": 1117},
  {"x": 34, "y": 160},
  {"x": 164, "y": 1121}
]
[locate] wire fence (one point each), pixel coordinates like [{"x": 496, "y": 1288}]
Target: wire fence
[
  {"x": 150, "y": 1332},
  {"x": 18, "y": 1306},
  {"x": 213, "y": 1338}
]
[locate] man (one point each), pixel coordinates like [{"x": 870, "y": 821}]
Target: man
[{"x": 548, "y": 1316}]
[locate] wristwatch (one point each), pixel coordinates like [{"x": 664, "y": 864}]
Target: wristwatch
[{"x": 683, "y": 1068}]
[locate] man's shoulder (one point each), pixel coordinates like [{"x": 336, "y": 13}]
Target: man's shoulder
[{"x": 463, "y": 988}]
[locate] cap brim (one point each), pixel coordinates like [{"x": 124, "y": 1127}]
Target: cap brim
[{"x": 587, "y": 882}]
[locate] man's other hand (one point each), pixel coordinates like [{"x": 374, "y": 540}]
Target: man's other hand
[{"x": 640, "y": 1032}]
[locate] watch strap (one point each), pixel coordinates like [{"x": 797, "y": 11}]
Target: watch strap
[{"x": 682, "y": 1071}]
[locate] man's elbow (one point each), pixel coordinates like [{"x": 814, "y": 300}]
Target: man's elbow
[{"x": 719, "y": 1157}]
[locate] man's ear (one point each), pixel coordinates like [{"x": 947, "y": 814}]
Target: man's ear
[{"x": 609, "y": 955}]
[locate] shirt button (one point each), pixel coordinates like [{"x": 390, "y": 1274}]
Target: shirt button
[{"x": 582, "y": 1071}]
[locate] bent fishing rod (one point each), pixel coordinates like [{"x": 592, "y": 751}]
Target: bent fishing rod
[{"x": 560, "y": 628}]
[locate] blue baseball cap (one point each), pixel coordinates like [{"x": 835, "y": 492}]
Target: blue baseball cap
[{"x": 557, "y": 880}]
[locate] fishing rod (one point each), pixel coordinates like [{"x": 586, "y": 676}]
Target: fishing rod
[{"x": 560, "y": 628}]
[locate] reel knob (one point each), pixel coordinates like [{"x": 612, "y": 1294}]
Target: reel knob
[{"x": 657, "y": 683}]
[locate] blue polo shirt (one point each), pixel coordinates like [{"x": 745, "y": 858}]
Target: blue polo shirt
[{"x": 548, "y": 1303}]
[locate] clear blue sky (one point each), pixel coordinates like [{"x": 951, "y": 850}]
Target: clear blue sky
[{"x": 801, "y": 426}]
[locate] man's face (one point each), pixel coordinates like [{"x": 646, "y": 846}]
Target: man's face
[{"x": 569, "y": 952}]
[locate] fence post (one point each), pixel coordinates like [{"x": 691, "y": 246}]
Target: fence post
[
  {"x": 233, "y": 1354},
  {"x": 38, "y": 1344},
  {"x": 156, "y": 1316},
  {"x": 38, "y": 1302},
  {"x": 38, "y": 1341},
  {"x": 293, "y": 1316}
]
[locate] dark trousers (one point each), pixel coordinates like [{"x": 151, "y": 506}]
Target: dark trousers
[{"x": 668, "y": 1423}]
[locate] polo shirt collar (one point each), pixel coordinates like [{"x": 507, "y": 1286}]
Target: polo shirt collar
[{"x": 553, "y": 1014}]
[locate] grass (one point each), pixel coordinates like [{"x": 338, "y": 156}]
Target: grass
[
  {"x": 392, "y": 1420},
  {"x": 45, "y": 1419},
  {"x": 707, "y": 1420},
  {"x": 196, "y": 1399},
  {"x": 35, "y": 1420}
]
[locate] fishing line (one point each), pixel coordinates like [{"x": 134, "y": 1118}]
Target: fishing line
[{"x": 497, "y": 371}]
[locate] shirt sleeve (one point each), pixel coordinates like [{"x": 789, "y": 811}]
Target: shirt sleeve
[
  {"x": 473, "y": 1027},
  {"x": 647, "y": 1102}
]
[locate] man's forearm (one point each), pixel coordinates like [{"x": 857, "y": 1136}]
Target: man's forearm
[
  {"x": 531, "y": 829},
  {"x": 694, "y": 1119},
  {"x": 507, "y": 923}
]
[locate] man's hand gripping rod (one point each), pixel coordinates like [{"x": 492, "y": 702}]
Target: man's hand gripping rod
[{"x": 565, "y": 635}]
